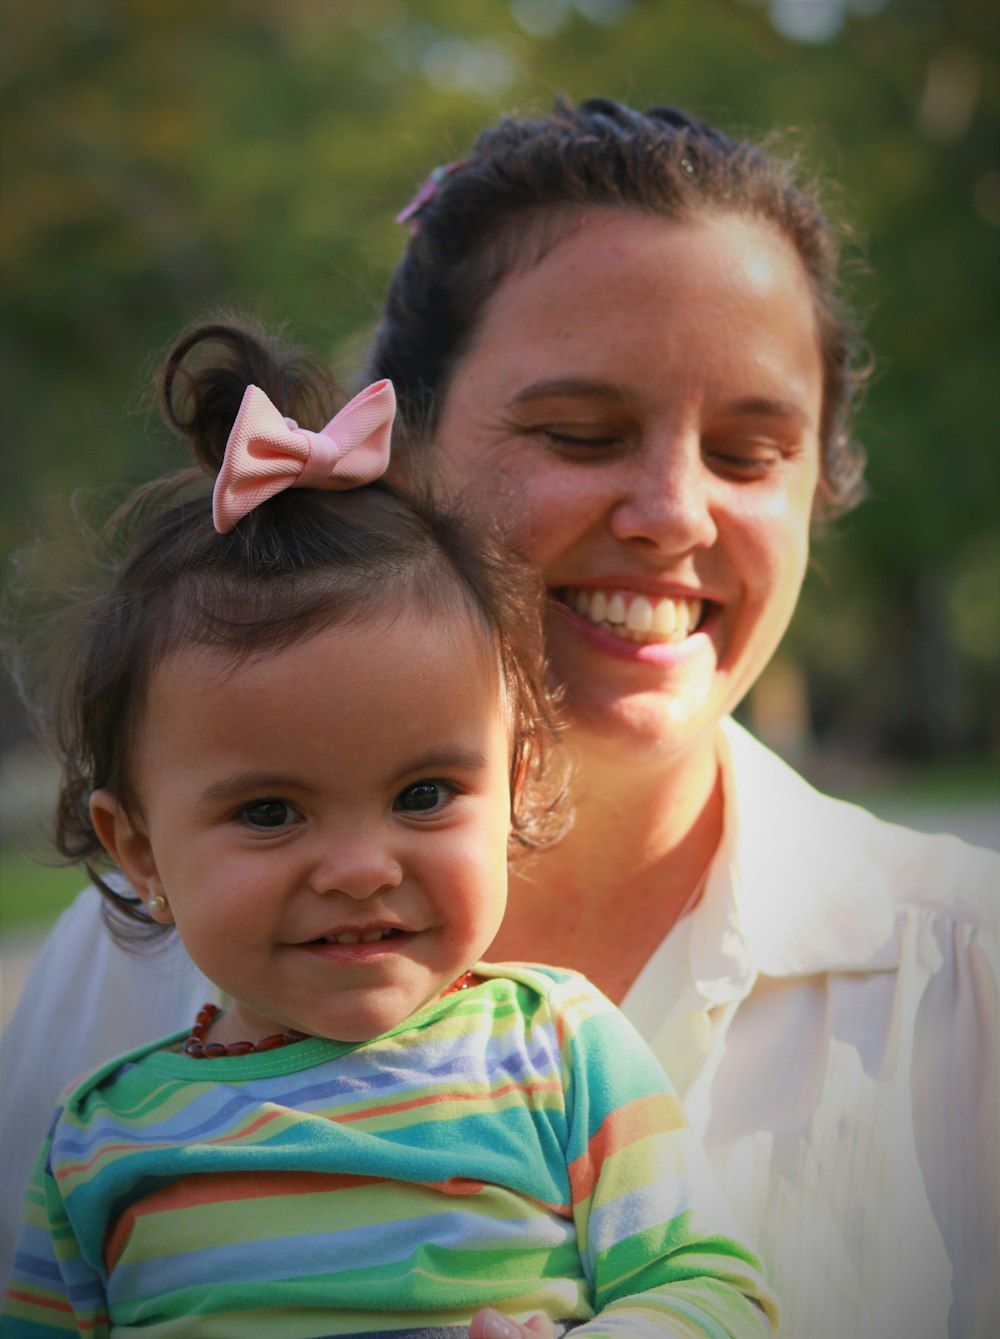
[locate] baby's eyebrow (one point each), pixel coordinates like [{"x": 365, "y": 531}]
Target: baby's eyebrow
[
  {"x": 446, "y": 758},
  {"x": 232, "y": 787},
  {"x": 240, "y": 784}
]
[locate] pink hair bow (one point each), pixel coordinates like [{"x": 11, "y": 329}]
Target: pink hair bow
[{"x": 267, "y": 453}]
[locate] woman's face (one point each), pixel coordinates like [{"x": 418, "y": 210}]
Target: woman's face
[{"x": 642, "y": 407}]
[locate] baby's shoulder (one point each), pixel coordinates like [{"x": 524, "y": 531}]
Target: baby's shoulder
[
  {"x": 578, "y": 1013},
  {"x": 557, "y": 985},
  {"x": 102, "y": 1085}
]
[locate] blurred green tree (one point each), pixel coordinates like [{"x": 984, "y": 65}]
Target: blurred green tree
[{"x": 163, "y": 157}]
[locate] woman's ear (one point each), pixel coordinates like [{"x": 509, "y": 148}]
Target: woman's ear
[{"x": 130, "y": 849}]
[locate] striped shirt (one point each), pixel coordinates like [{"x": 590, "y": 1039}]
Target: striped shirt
[{"x": 514, "y": 1145}]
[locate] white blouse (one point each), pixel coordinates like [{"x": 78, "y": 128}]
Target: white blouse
[{"x": 829, "y": 1012}]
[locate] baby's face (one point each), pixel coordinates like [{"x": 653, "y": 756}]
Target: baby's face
[{"x": 329, "y": 823}]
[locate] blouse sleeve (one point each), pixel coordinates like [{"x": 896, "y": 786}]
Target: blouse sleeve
[
  {"x": 85, "y": 1000},
  {"x": 955, "y": 1102},
  {"x": 654, "y": 1233}
]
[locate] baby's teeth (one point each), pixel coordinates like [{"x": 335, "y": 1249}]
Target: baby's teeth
[
  {"x": 351, "y": 937},
  {"x": 598, "y": 607},
  {"x": 616, "y": 608},
  {"x": 640, "y": 615}
]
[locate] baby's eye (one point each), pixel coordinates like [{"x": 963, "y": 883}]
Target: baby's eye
[
  {"x": 268, "y": 814},
  {"x": 424, "y": 797}
]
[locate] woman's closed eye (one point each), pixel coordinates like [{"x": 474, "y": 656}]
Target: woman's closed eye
[
  {"x": 268, "y": 815},
  {"x": 748, "y": 461},
  {"x": 579, "y": 440},
  {"x": 748, "y": 448},
  {"x": 427, "y": 796},
  {"x": 746, "y": 457}
]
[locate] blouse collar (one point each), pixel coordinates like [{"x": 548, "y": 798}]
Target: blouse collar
[{"x": 796, "y": 886}]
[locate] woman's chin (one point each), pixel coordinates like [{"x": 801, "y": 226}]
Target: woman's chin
[
  {"x": 638, "y": 710},
  {"x": 641, "y": 726}
]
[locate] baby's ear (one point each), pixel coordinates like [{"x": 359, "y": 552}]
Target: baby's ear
[{"x": 130, "y": 849}]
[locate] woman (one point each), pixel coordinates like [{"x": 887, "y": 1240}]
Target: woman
[{"x": 621, "y": 334}]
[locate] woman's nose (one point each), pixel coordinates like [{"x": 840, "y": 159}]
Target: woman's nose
[
  {"x": 359, "y": 866},
  {"x": 666, "y": 498}
]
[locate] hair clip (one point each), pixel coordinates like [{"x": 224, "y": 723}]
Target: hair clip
[{"x": 427, "y": 192}]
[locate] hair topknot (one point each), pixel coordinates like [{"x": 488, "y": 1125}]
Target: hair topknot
[
  {"x": 204, "y": 377},
  {"x": 83, "y": 652},
  {"x": 525, "y": 179}
]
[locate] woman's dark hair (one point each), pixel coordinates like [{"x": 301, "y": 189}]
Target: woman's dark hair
[
  {"x": 491, "y": 213},
  {"x": 300, "y": 562}
]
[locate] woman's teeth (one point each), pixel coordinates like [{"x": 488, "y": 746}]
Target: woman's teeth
[{"x": 634, "y": 617}]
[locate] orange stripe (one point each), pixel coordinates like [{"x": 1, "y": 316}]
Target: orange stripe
[
  {"x": 242, "y": 1133},
  {"x": 456, "y": 1185},
  {"x": 413, "y": 1103},
  {"x": 218, "y": 1187},
  {"x": 465, "y": 1185},
  {"x": 19, "y": 1296},
  {"x": 635, "y": 1121}
]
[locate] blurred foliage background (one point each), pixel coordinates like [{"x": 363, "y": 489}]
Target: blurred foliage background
[{"x": 163, "y": 157}]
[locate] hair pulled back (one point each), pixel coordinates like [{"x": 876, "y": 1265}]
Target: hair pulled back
[
  {"x": 524, "y": 180},
  {"x": 303, "y": 561}
]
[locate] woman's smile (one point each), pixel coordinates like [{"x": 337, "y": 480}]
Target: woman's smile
[{"x": 665, "y": 620}]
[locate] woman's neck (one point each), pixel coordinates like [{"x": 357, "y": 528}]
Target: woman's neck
[{"x": 605, "y": 896}]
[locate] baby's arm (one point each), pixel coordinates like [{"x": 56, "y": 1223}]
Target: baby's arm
[
  {"x": 655, "y": 1235},
  {"x": 85, "y": 1000},
  {"x": 53, "y": 1291}
]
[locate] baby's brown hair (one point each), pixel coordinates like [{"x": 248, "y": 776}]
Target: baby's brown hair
[{"x": 301, "y": 562}]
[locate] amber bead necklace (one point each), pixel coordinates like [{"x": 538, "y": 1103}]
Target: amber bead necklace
[{"x": 199, "y": 1049}]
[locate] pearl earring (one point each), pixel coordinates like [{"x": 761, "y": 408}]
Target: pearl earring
[{"x": 157, "y": 905}]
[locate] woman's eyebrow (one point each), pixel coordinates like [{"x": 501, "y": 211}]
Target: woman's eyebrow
[
  {"x": 763, "y": 407},
  {"x": 591, "y": 388},
  {"x": 569, "y": 386}
]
